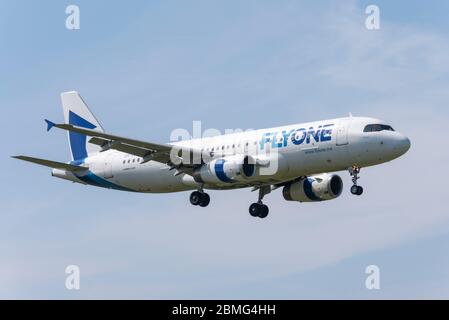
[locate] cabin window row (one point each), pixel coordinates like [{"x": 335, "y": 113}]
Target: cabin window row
[
  {"x": 132, "y": 160},
  {"x": 227, "y": 147}
]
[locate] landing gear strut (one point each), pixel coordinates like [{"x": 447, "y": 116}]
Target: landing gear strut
[
  {"x": 355, "y": 189},
  {"x": 199, "y": 198},
  {"x": 259, "y": 209}
]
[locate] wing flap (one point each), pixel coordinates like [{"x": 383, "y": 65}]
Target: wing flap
[{"x": 126, "y": 148}]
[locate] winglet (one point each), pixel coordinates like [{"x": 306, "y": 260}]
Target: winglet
[{"x": 49, "y": 124}]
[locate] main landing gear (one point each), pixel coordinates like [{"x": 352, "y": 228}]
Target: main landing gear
[
  {"x": 355, "y": 189},
  {"x": 259, "y": 209},
  {"x": 199, "y": 198}
]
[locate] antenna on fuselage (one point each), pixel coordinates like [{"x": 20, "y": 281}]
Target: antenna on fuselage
[{"x": 350, "y": 114}]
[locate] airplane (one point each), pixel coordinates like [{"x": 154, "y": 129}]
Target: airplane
[{"x": 301, "y": 159}]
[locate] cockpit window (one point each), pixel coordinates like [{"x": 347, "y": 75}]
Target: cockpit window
[{"x": 377, "y": 127}]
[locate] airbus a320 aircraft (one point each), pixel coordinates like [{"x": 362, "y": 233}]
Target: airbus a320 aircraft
[{"x": 298, "y": 158}]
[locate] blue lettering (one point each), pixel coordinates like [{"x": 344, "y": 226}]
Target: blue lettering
[
  {"x": 265, "y": 139},
  {"x": 326, "y": 134},
  {"x": 275, "y": 144},
  {"x": 297, "y": 138},
  {"x": 314, "y": 134},
  {"x": 285, "y": 136}
]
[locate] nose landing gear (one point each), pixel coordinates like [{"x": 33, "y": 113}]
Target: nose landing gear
[{"x": 355, "y": 189}]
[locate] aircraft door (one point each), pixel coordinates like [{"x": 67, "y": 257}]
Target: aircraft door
[
  {"x": 342, "y": 132},
  {"x": 108, "y": 169}
]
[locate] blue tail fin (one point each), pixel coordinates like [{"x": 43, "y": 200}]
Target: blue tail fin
[{"x": 77, "y": 113}]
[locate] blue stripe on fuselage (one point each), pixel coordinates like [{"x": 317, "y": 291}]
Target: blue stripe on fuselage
[{"x": 94, "y": 180}]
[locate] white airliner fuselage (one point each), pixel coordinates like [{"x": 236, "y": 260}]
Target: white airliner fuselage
[{"x": 297, "y": 157}]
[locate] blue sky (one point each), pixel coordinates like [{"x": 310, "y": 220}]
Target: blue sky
[{"x": 152, "y": 67}]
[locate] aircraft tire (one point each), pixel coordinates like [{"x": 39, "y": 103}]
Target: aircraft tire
[
  {"x": 195, "y": 198},
  {"x": 263, "y": 211},
  {"x": 254, "y": 210},
  {"x": 205, "y": 200}
]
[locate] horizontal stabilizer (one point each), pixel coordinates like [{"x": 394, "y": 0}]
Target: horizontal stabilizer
[
  {"x": 52, "y": 164},
  {"x": 49, "y": 124}
]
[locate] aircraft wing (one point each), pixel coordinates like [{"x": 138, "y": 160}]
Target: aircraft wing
[
  {"x": 146, "y": 150},
  {"x": 52, "y": 164}
]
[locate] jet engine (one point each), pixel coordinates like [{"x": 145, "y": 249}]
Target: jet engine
[
  {"x": 315, "y": 188},
  {"x": 227, "y": 169}
]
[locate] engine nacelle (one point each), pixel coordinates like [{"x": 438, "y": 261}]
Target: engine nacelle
[
  {"x": 226, "y": 170},
  {"x": 316, "y": 188}
]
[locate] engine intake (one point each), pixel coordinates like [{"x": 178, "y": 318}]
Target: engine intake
[{"x": 315, "y": 188}]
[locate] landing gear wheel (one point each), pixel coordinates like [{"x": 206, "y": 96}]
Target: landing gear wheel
[
  {"x": 263, "y": 211},
  {"x": 195, "y": 198},
  {"x": 205, "y": 200},
  {"x": 258, "y": 210},
  {"x": 254, "y": 210},
  {"x": 357, "y": 190},
  {"x": 198, "y": 198}
]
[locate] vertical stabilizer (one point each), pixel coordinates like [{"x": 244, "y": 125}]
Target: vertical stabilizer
[{"x": 77, "y": 113}]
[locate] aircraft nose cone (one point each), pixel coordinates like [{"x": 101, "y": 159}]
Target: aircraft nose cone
[
  {"x": 407, "y": 144},
  {"x": 402, "y": 145}
]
